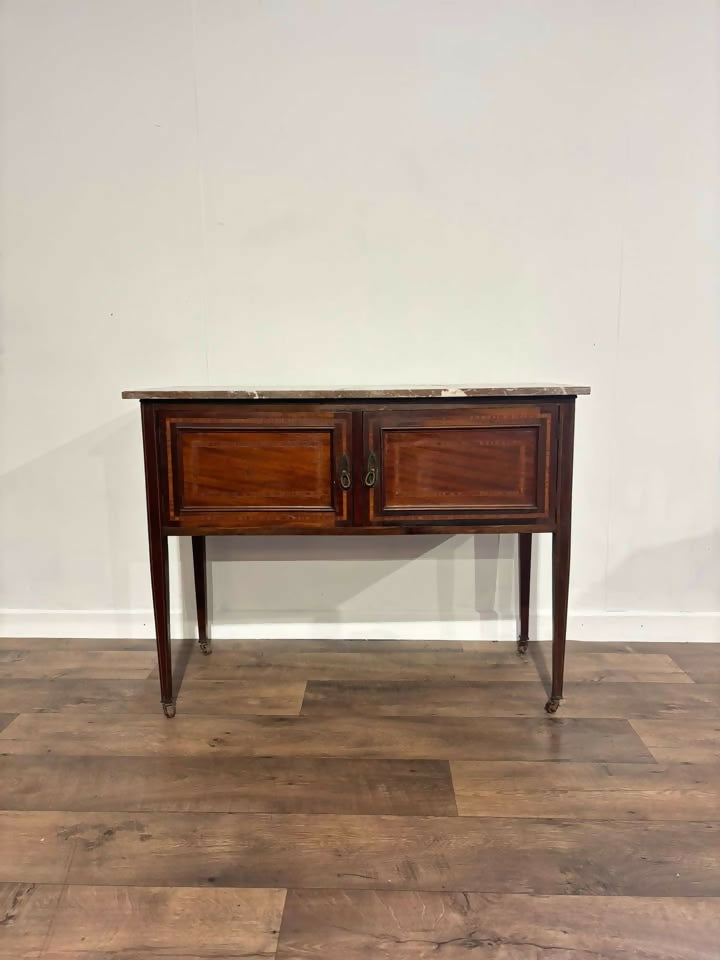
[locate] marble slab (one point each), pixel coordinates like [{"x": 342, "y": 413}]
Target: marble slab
[{"x": 355, "y": 393}]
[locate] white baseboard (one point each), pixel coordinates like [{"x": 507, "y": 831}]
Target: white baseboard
[{"x": 590, "y": 625}]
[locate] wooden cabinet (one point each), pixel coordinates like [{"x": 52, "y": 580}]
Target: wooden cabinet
[
  {"x": 413, "y": 460},
  {"x": 231, "y": 469}
]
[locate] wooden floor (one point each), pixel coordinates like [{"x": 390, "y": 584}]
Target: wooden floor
[{"x": 359, "y": 801}]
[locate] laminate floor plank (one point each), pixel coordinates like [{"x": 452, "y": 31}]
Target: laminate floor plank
[
  {"x": 667, "y": 648},
  {"x": 259, "y": 785},
  {"x": 349, "y": 852},
  {"x": 434, "y": 738},
  {"x": 150, "y": 923},
  {"x": 366, "y": 646},
  {"x": 77, "y": 644},
  {"x": 371, "y": 664},
  {"x": 412, "y": 796},
  {"x": 587, "y": 791},
  {"x": 263, "y": 695},
  {"x": 26, "y": 912},
  {"x": 701, "y": 661},
  {"x": 251, "y": 646},
  {"x": 583, "y": 667},
  {"x": 54, "y": 664},
  {"x": 600, "y": 667},
  {"x": 508, "y": 699},
  {"x": 389, "y": 925},
  {"x": 692, "y": 741}
]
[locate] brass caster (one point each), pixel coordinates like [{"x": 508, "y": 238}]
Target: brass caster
[
  {"x": 169, "y": 709},
  {"x": 552, "y": 704},
  {"x": 522, "y": 645},
  {"x": 206, "y": 647}
]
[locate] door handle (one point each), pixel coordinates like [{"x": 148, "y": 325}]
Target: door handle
[
  {"x": 345, "y": 477},
  {"x": 372, "y": 470}
]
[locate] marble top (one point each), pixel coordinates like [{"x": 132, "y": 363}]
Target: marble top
[{"x": 355, "y": 393}]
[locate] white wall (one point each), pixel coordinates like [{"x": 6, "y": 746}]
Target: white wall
[{"x": 376, "y": 191}]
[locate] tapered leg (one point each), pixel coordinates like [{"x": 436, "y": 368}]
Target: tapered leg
[
  {"x": 561, "y": 582},
  {"x": 200, "y": 571},
  {"x": 161, "y": 606},
  {"x": 524, "y": 558},
  {"x": 158, "y": 556},
  {"x": 561, "y": 551}
]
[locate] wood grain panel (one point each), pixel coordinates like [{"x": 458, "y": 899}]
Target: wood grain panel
[
  {"x": 455, "y": 698},
  {"x": 395, "y": 925},
  {"x": 541, "y": 738},
  {"x": 255, "y": 469},
  {"x": 258, "y": 784},
  {"x": 149, "y": 923},
  {"x": 587, "y": 791},
  {"x": 413, "y": 853},
  {"x": 461, "y": 468}
]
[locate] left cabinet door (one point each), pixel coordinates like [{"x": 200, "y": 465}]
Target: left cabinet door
[{"x": 245, "y": 467}]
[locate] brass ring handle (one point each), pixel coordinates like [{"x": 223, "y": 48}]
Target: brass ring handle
[
  {"x": 371, "y": 474},
  {"x": 345, "y": 478}
]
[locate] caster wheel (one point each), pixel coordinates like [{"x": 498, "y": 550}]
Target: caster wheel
[
  {"x": 552, "y": 704},
  {"x": 205, "y": 647},
  {"x": 169, "y": 709},
  {"x": 522, "y": 646}
]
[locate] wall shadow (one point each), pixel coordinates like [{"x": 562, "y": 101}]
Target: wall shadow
[{"x": 369, "y": 561}]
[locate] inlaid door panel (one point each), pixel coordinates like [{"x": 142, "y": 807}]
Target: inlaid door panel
[
  {"x": 465, "y": 463},
  {"x": 257, "y": 466}
]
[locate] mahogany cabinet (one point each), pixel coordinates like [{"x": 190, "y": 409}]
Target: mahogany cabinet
[{"x": 399, "y": 461}]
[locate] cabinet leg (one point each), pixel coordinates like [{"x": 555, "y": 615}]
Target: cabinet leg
[
  {"x": 561, "y": 583},
  {"x": 200, "y": 572},
  {"x": 161, "y": 607},
  {"x": 524, "y": 562}
]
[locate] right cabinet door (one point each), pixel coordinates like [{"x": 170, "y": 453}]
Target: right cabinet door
[{"x": 460, "y": 463}]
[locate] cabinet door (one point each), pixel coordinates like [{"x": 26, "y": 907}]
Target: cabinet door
[
  {"x": 447, "y": 464},
  {"x": 247, "y": 467}
]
